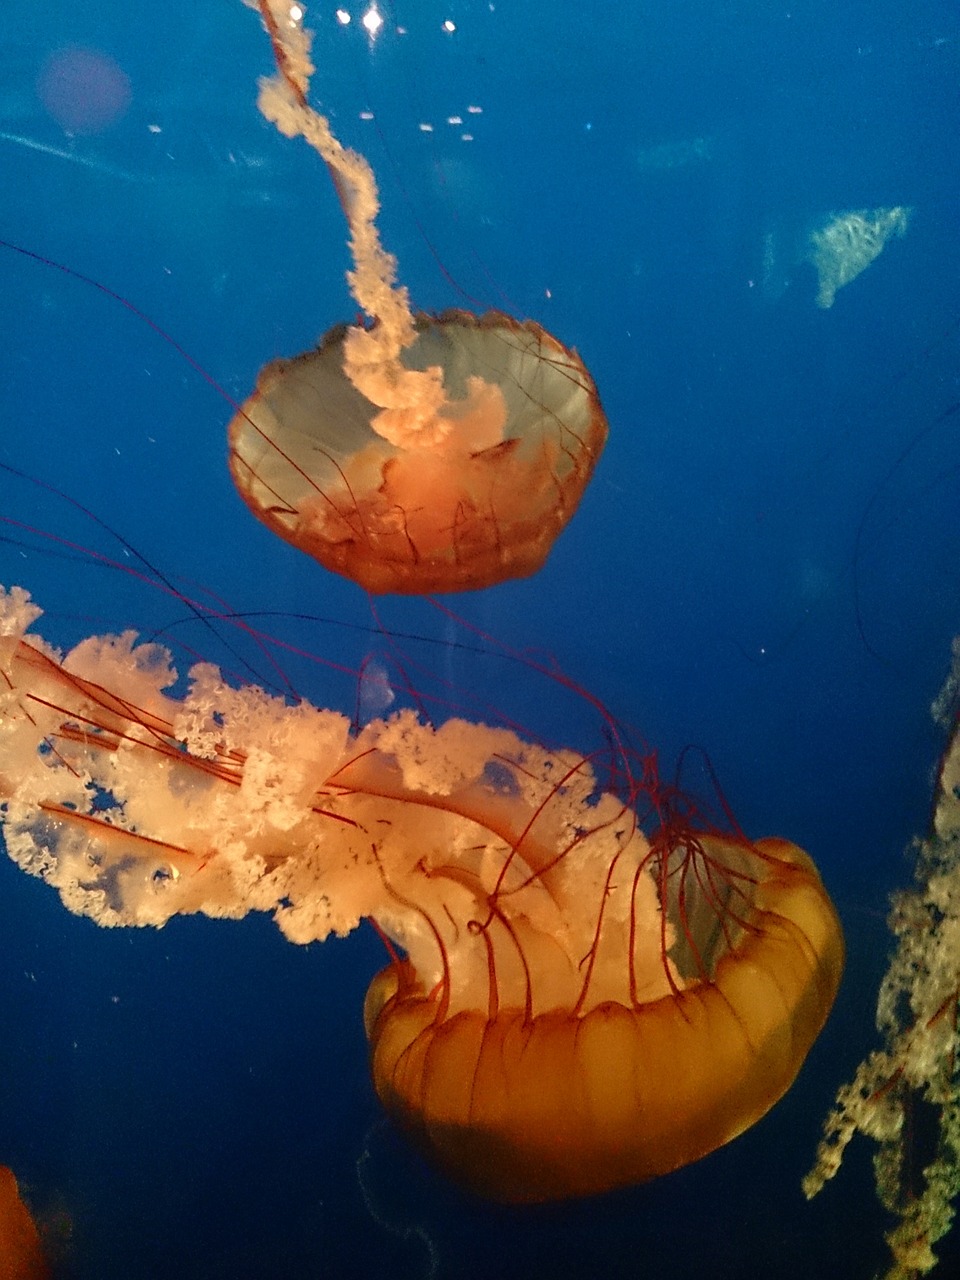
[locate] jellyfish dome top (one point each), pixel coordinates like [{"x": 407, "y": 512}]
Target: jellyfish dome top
[
  {"x": 572, "y": 1004},
  {"x": 410, "y": 453}
]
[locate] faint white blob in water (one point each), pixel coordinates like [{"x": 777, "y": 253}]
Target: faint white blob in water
[
  {"x": 84, "y": 90},
  {"x": 674, "y": 155},
  {"x": 375, "y": 693},
  {"x": 814, "y": 582},
  {"x": 839, "y": 246},
  {"x": 847, "y": 243},
  {"x": 776, "y": 266}
]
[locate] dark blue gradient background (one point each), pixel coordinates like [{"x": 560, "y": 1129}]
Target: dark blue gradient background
[{"x": 196, "y": 1101}]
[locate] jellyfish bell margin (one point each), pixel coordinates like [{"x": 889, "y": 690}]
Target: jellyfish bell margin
[{"x": 574, "y": 1005}]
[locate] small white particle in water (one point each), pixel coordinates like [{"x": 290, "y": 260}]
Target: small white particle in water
[{"x": 372, "y": 21}]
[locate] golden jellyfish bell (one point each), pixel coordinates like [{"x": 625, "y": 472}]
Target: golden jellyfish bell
[
  {"x": 576, "y": 1101},
  {"x": 478, "y": 497},
  {"x": 577, "y": 1006},
  {"x": 410, "y": 453}
]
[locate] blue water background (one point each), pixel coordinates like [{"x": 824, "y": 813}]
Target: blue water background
[{"x": 766, "y": 563}]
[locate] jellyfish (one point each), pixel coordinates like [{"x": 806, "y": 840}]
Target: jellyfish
[
  {"x": 586, "y": 989},
  {"x": 21, "y": 1255},
  {"x": 410, "y": 453}
]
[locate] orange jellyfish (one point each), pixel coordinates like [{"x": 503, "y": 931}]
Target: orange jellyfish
[
  {"x": 21, "y": 1256},
  {"x": 413, "y": 453},
  {"x": 572, "y": 1006}
]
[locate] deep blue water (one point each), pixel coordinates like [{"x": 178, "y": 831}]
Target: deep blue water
[{"x": 764, "y": 565}]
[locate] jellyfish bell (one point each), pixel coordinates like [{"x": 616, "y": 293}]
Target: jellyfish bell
[
  {"x": 411, "y": 453},
  {"x": 587, "y": 989},
  {"x": 478, "y": 499},
  {"x": 658, "y": 1059},
  {"x": 21, "y": 1252}
]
